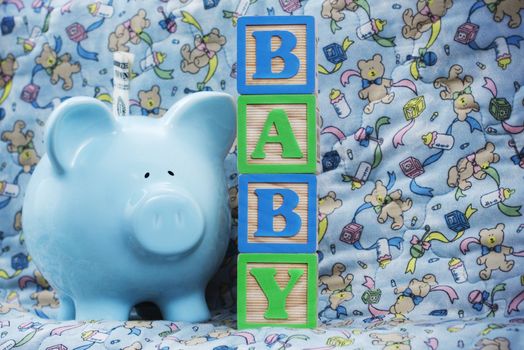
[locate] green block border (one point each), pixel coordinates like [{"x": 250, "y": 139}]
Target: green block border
[
  {"x": 312, "y": 270},
  {"x": 311, "y": 144}
]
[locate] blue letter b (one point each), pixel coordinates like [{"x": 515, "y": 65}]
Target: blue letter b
[
  {"x": 264, "y": 55},
  {"x": 266, "y": 213}
]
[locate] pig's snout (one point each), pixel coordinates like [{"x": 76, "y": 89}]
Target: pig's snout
[{"x": 168, "y": 224}]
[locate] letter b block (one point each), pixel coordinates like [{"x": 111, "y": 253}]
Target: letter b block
[
  {"x": 276, "y": 54},
  {"x": 277, "y": 213},
  {"x": 277, "y": 134},
  {"x": 277, "y": 290}
]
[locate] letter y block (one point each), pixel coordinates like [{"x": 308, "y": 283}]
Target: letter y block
[{"x": 277, "y": 290}]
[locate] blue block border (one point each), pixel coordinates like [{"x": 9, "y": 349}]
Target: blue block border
[
  {"x": 308, "y": 87},
  {"x": 244, "y": 246}
]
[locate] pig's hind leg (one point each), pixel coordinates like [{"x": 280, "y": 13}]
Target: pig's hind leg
[
  {"x": 190, "y": 307},
  {"x": 67, "y": 308}
]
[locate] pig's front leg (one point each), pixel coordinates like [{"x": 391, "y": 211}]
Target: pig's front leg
[
  {"x": 100, "y": 308},
  {"x": 191, "y": 307}
]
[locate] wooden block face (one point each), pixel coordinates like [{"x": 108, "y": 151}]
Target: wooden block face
[
  {"x": 257, "y": 303},
  {"x": 277, "y": 134},
  {"x": 276, "y": 54},
  {"x": 279, "y": 222},
  {"x": 277, "y": 63},
  {"x": 270, "y": 207},
  {"x": 295, "y": 276},
  {"x": 257, "y": 116}
]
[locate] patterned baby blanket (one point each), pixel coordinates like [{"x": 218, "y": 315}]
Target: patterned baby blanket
[{"x": 421, "y": 143}]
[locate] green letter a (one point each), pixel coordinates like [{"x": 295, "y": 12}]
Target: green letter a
[
  {"x": 276, "y": 297},
  {"x": 284, "y": 136}
]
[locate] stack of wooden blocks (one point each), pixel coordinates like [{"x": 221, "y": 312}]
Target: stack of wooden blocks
[{"x": 277, "y": 160}]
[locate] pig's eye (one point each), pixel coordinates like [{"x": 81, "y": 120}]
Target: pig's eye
[
  {"x": 171, "y": 173},
  {"x": 146, "y": 175}
]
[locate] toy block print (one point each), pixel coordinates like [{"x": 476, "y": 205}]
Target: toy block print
[
  {"x": 276, "y": 55},
  {"x": 277, "y": 290},
  {"x": 277, "y": 213},
  {"x": 277, "y": 134},
  {"x": 457, "y": 221}
]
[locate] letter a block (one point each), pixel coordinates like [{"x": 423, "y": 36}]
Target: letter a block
[
  {"x": 277, "y": 134},
  {"x": 276, "y": 54},
  {"x": 277, "y": 213},
  {"x": 277, "y": 290}
]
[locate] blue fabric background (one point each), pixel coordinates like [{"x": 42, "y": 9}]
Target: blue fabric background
[{"x": 467, "y": 312}]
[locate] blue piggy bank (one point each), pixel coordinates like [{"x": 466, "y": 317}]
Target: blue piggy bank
[{"x": 131, "y": 209}]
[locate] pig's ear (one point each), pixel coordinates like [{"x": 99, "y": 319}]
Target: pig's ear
[
  {"x": 206, "y": 118},
  {"x": 74, "y": 124}
]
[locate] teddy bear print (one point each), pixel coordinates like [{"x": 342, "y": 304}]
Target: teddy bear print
[
  {"x": 21, "y": 143},
  {"x": 493, "y": 252},
  {"x": 128, "y": 32},
  {"x": 45, "y": 298},
  {"x": 511, "y": 8},
  {"x": 375, "y": 88},
  {"x": 458, "y": 90},
  {"x": 150, "y": 102},
  {"x": 335, "y": 281},
  {"x": 412, "y": 295},
  {"x": 388, "y": 205},
  {"x": 392, "y": 341},
  {"x": 336, "y": 299},
  {"x": 472, "y": 165},
  {"x": 206, "y": 47},
  {"x": 135, "y": 346},
  {"x": 8, "y": 66},
  {"x": 16, "y": 138},
  {"x": 498, "y": 343},
  {"x": 58, "y": 67},
  {"x": 326, "y": 206},
  {"x": 333, "y": 9},
  {"x": 428, "y": 12}
]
